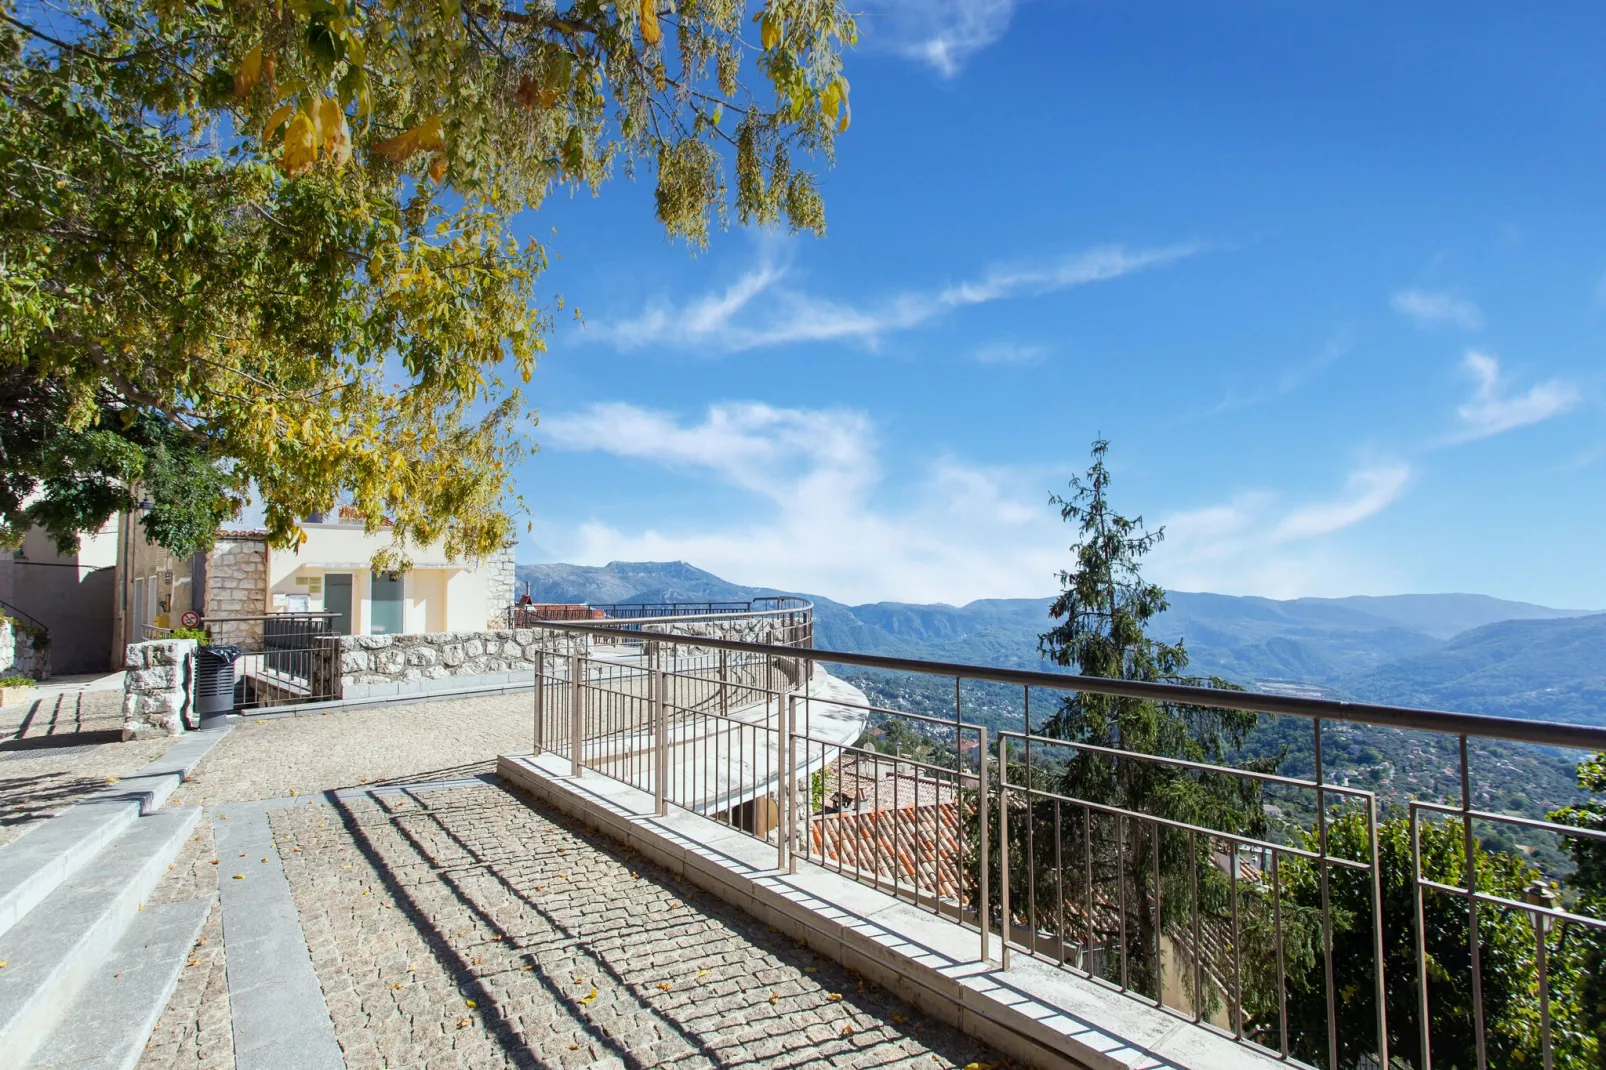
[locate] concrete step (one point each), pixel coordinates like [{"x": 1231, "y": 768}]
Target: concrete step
[
  {"x": 109, "y": 1024},
  {"x": 54, "y": 951},
  {"x": 32, "y": 865}
]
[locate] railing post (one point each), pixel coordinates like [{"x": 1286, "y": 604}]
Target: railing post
[
  {"x": 576, "y": 717},
  {"x": 783, "y": 741},
  {"x": 660, "y": 771},
  {"x": 984, "y": 918},
  {"x": 792, "y": 788},
  {"x": 540, "y": 701},
  {"x": 1003, "y": 845}
]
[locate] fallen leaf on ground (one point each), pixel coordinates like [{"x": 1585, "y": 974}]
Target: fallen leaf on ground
[
  {"x": 239, "y": 876},
  {"x": 592, "y": 998},
  {"x": 664, "y": 986},
  {"x": 464, "y": 1022},
  {"x": 834, "y": 997},
  {"x": 898, "y": 1019},
  {"x": 702, "y": 973},
  {"x": 847, "y": 1030},
  {"x": 811, "y": 969},
  {"x": 470, "y": 1003},
  {"x": 774, "y": 998},
  {"x": 395, "y": 986}
]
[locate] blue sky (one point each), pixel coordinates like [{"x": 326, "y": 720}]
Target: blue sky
[{"x": 1331, "y": 277}]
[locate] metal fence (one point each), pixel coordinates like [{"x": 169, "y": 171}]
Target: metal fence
[{"x": 1292, "y": 940}]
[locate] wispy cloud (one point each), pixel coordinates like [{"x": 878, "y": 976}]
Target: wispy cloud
[
  {"x": 1256, "y": 543},
  {"x": 1290, "y": 379},
  {"x": 1493, "y": 409},
  {"x": 944, "y": 34},
  {"x": 759, "y": 309},
  {"x": 1009, "y": 353},
  {"x": 1426, "y": 307}
]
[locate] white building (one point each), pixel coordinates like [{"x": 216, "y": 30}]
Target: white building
[{"x": 242, "y": 577}]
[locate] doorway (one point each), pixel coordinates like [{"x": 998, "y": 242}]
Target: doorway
[{"x": 337, "y": 600}]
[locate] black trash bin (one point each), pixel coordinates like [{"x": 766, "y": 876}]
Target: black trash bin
[{"x": 214, "y": 680}]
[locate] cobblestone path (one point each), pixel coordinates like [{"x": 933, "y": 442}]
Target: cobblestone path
[{"x": 467, "y": 928}]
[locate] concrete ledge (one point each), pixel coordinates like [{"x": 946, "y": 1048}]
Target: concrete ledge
[{"x": 1035, "y": 1012}]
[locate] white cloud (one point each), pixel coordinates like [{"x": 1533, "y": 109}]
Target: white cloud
[
  {"x": 760, "y": 310},
  {"x": 1491, "y": 409},
  {"x": 941, "y": 33},
  {"x": 824, "y": 521},
  {"x": 1254, "y": 543},
  {"x": 1425, "y": 307}
]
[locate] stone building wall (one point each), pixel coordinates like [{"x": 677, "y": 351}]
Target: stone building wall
[
  {"x": 499, "y": 587},
  {"x": 237, "y": 586},
  {"x": 24, "y": 650},
  {"x": 159, "y": 689}
]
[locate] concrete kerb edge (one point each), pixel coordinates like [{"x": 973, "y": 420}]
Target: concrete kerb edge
[{"x": 788, "y": 910}]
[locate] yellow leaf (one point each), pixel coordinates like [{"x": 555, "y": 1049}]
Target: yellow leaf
[
  {"x": 333, "y": 131},
  {"x": 249, "y": 73},
  {"x": 437, "y": 167},
  {"x": 592, "y": 998},
  {"x": 239, "y": 876},
  {"x": 774, "y": 998},
  {"x": 470, "y": 1003},
  {"x": 276, "y": 120},
  {"x": 649, "y": 22},
  {"x": 425, "y": 137},
  {"x": 300, "y": 146},
  {"x": 834, "y": 997},
  {"x": 664, "y": 986},
  {"x": 769, "y": 31}
]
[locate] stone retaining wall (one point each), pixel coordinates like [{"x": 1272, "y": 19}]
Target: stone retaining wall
[
  {"x": 24, "y": 650},
  {"x": 375, "y": 665},
  {"x": 159, "y": 689}
]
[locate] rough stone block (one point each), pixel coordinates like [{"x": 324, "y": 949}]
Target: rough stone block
[
  {"x": 374, "y": 642},
  {"x": 390, "y": 662},
  {"x": 524, "y": 636},
  {"x": 422, "y": 656},
  {"x": 353, "y": 661},
  {"x": 157, "y": 679},
  {"x": 452, "y": 655},
  {"x": 473, "y": 647}
]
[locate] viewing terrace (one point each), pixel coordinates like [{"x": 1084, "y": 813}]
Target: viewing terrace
[{"x": 683, "y": 837}]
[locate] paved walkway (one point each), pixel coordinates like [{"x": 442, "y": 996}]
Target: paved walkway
[{"x": 462, "y": 926}]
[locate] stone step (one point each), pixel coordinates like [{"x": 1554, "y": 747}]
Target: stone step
[
  {"x": 109, "y": 1024},
  {"x": 54, "y": 951},
  {"x": 33, "y": 864}
]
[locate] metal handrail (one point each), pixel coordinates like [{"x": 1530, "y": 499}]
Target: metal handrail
[{"x": 1543, "y": 733}]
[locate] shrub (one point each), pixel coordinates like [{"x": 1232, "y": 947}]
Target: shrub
[
  {"x": 198, "y": 634},
  {"x": 17, "y": 681}
]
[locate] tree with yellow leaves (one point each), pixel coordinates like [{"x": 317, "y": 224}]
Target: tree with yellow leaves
[{"x": 264, "y": 245}]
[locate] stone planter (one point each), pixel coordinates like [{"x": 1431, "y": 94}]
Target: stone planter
[{"x": 12, "y": 695}]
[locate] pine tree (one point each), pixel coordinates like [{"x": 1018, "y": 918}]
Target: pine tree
[{"x": 1104, "y": 610}]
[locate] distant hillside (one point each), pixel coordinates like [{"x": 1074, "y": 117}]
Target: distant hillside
[
  {"x": 1550, "y": 669},
  {"x": 1383, "y": 647}
]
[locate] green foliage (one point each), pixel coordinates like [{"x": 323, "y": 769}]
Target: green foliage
[
  {"x": 198, "y": 634},
  {"x": 1506, "y": 939},
  {"x": 17, "y": 681},
  {"x": 1587, "y": 884},
  {"x": 267, "y": 248}
]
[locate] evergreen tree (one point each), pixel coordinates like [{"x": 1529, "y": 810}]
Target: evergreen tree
[{"x": 1104, "y": 609}]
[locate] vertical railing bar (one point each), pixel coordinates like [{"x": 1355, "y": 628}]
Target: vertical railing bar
[
  {"x": 1087, "y": 866},
  {"x": 1198, "y": 943},
  {"x": 1031, "y": 824},
  {"x": 1237, "y": 948},
  {"x": 1120, "y": 887},
  {"x": 1473, "y": 936},
  {"x": 1380, "y": 986},
  {"x": 1159, "y": 923},
  {"x": 1003, "y": 845},
  {"x": 1277, "y": 927},
  {"x": 984, "y": 916},
  {"x": 1327, "y": 912},
  {"x": 575, "y": 728},
  {"x": 1059, "y": 884}
]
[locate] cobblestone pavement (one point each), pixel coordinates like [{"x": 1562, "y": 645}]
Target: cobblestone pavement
[
  {"x": 58, "y": 749},
  {"x": 279, "y": 756},
  {"x": 195, "y": 1031},
  {"x": 466, "y": 927}
]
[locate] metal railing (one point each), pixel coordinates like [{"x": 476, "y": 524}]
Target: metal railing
[{"x": 1242, "y": 928}]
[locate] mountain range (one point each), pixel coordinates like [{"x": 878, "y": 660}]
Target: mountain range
[{"x": 1451, "y": 651}]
